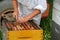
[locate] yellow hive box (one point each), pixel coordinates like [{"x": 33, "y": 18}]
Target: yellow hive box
[{"x": 25, "y": 35}]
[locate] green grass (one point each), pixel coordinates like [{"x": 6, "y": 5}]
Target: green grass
[{"x": 47, "y": 23}]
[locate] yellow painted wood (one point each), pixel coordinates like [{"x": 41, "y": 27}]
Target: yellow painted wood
[{"x": 25, "y": 35}]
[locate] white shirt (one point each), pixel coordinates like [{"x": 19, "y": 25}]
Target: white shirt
[{"x": 26, "y": 7}]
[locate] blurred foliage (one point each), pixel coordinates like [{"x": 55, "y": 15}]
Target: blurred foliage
[{"x": 47, "y": 23}]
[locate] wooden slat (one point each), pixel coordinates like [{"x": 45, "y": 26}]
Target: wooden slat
[{"x": 24, "y": 26}]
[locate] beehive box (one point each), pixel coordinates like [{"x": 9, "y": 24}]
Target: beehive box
[
  {"x": 25, "y": 35},
  {"x": 29, "y": 32}
]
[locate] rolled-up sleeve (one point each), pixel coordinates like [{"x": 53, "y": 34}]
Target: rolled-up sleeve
[{"x": 41, "y": 5}]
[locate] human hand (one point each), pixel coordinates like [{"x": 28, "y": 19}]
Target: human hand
[
  {"x": 23, "y": 19},
  {"x": 15, "y": 15}
]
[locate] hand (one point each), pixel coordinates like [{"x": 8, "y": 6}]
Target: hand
[
  {"x": 23, "y": 19},
  {"x": 15, "y": 15}
]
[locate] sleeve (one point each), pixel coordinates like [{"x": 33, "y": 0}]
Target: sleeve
[{"x": 41, "y": 5}]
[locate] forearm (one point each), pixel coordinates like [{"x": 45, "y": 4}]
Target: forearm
[
  {"x": 34, "y": 13},
  {"x": 15, "y": 5}
]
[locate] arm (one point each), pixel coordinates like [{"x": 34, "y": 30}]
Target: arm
[
  {"x": 39, "y": 8},
  {"x": 28, "y": 17},
  {"x": 15, "y": 6},
  {"x": 34, "y": 13}
]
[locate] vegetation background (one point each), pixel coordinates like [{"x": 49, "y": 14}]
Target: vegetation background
[{"x": 47, "y": 22}]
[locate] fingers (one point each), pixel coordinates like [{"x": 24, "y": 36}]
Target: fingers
[
  {"x": 16, "y": 17},
  {"x": 13, "y": 15},
  {"x": 21, "y": 19}
]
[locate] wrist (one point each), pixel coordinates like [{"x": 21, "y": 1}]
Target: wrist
[{"x": 15, "y": 10}]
